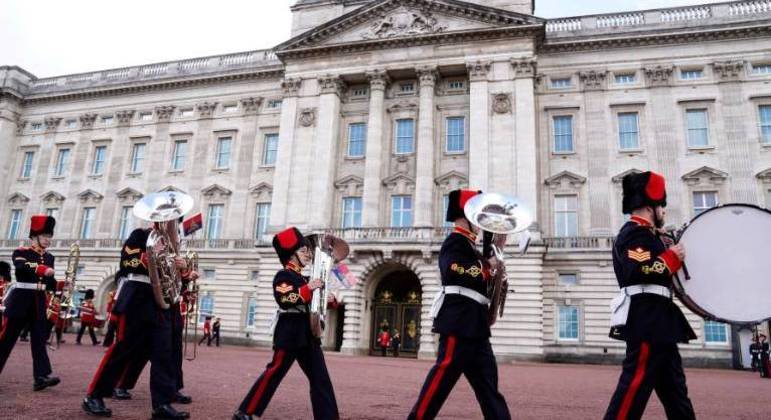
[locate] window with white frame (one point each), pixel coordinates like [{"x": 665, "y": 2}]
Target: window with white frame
[
  {"x": 351, "y": 212},
  {"x": 137, "y": 158},
  {"x": 53, "y": 212},
  {"x": 223, "y": 152},
  {"x": 456, "y": 135},
  {"x": 357, "y": 139},
  {"x": 703, "y": 201},
  {"x": 214, "y": 221},
  {"x": 126, "y": 222},
  {"x": 206, "y": 306},
  {"x": 209, "y": 275},
  {"x": 62, "y": 162},
  {"x": 691, "y": 74},
  {"x": 145, "y": 116},
  {"x": 405, "y": 136},
  {"x": 561, "y": 83},
  {"x": 107, "y": 120},
  {"x": 186, "y": 112},
  {"x": 698, "y": 127},
  {"x": 26, "y": 166},
  {"x": 71, "y": 123},
  {"x": 261, "y": 219},
  {"x": 764, "y": 115},
  {"x": 761, "y": 69},
  {"x": 715, "y": 332},
  {"x": 456, "y": 85},
  {"x": 567, "y": 322},
  {"x": 407, "y": 87},
  {"x": 625, "y": 78},
  {"x": 251, "y": 312},
  {"x": 87, "y": 223},
  {"x": 36, "y": 126},
  {"x": 270, "y": 149},
  {"x": 179, "y": 155},
  {"x": 563, "y": 133},
  {"x": 230, "y": 108},
  {"x": 401, "y": 211},
  {"x": 567, "y": 279},
  {"x": 566, "y": 215},
  {"x": 274, "y": 104},
  {"x": 445, "y": 205},
  {"x": 629, "y": 130},
  {"x": 100, "y": 157},
  {"x": 14, "y": 224}
]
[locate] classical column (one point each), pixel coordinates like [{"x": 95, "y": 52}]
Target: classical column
[
  {"x": 325, "y": 153},
  {"x": 525, "y": 141},
  {"x": 424, "y": 180},
  {"x": 278, "y": 210},
  {"x": 596, "y": 113},
  {"x": 479, "y": 125},
  {"x": 378, "y": 80}
]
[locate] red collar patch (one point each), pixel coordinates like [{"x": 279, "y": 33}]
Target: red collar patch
[
  {"x": 294, "y": 267},
  {"x": 465, "y": 232},
  {"x": 641, "y": 221}
]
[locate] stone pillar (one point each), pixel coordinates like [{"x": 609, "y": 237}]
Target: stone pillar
[
  {"x": 199, "y": 155},
  {"x": 378, "y": 81},
  {"x": 596, "y": 112},
  {"x": 78, "y": 176},
  {"x": 278, "y": 210},
  {"x": 240, "y": 204},
  {"x": 526, "y": 150},
  {"x": 325, "y": 153},
  {"x": 11, "y": 127},
  {"x": 479, "y": 125},
  {"x": 122, "y": 147},
  {"x": 424, "y": 197}
]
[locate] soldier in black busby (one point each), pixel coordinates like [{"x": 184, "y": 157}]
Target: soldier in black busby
[
  {"x": 87, "y": 318},
  {"x": 461, "y": 319},
  {"x": 293, "y": 338},
  {"x": 653, "y": 324},
  {"x": 755, "y": 352},
  {"x": 765, "y": 366},
  {"x": 25, "y": 303}
]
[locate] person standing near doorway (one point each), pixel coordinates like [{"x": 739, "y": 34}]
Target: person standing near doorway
[
  {"x": 396, "y": 341},
  {"x": 215, "y": 332},
  {"x": 384, "y": 340}
]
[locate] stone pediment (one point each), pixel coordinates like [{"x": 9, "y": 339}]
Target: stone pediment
[
  {"x": 262, "y": 191},
  {"x": 90, "y": 195},
  {"x": 452, "y": 180},
  {"x": 765, "y": 176},
  {"x": 350, "y": 185},
  {"x": 129, "y": 194},
  {"x": 407, "y": 20},
  {"x": 52, "y": 197},
  {"x": 18, "y": 198},
  {"x": 171, "y": 188},
  {"x": 707, "y": 174},
  {"x": 216, "y": 191},
  {"x": 565, "y": 178},
  {"x": 620, "y": 177}
]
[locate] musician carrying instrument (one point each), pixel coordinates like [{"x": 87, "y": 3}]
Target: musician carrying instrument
[
  {"x": 328, "y": 251},
  {"x": 60, "y": 303}
]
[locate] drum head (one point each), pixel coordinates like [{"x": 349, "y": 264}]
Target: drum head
[{"x": 727, "y": 254}]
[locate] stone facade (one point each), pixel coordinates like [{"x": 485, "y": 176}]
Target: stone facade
[{"x": 504, "y": 82}]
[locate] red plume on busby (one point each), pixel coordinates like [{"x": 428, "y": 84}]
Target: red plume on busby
[
  {"x": 287, "y": 242},
  {"x": 457, "y": 201},
  {"x": 41, "y": 225},
  {"x": 643, "y": 189},
  {"x": 5, "y": 271}
]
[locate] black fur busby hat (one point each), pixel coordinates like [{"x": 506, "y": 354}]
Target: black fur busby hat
[
  {"x": 5, "y": 271},
  {"x": 41, "y": 225},
  {"x": 89, "y": 294},
  {"x": 457, "y": 201},
  {"x": 287, "y": 242},
  {"x": 643, "y": 189}
]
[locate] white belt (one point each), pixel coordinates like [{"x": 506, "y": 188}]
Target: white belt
[
  {"x": 279, "y": 311},
  {"x": 619, "y": 306},
  {"x": 456, "y": 290},
  {"x": 647, "y": 288},
  {"x": 141, "y": 278},
  {"x": 28, "y": 286}
]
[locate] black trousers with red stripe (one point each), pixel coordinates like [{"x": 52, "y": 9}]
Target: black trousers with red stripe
[
  {"x": 133, "y": 371},
  {"x": 38, "y": 329},
  {"x": 648, "y": 367},
  {"x": 311, "y": 361},
  {"x": 472, "y": 358}
]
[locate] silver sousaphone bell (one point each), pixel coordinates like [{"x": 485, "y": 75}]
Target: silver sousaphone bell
[
  {"x": 500, "y": 214},
  {"x": 163, "y": 206}
]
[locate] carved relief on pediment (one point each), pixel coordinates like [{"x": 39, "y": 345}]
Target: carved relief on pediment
[{"x": 403, "y": 22}]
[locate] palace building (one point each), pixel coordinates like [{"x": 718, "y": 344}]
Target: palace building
[{"x": 365, "y": 119}]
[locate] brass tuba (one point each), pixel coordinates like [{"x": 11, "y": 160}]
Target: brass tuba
[
  {"x": 62, "y": 301},
  {"x": 164, "y": 209},
  {"x": 328, "y": 250},
  {"x": 498, "y": 215}
]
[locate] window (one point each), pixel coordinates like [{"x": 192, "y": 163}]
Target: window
[
  {"x": 691, "y": 74},
  {"x": 209, "y": 275},
  {"x": 53, "y": 212},
  {"x": 62, "y": 161},
  {"x": 179, "y": 156},
  {"x": 270, "y": 150},
  {"x": 405, "y": 133},
  {"x": 145, "y": 116},
  {"x": 568, "y": 279},
  {"x": 214, "y": 221},
  {"x": 223, "y": 152},
  {"x": 87, "y": 223},
  {"x": 26, "y": 167},
  {"x": 107, "y": 120},
  {"x": 36, "y": 126},
  {"x": 100, "y": 153},
  {"x": 351, "y": 212},
  {"x": 761, "y": 69},
  {"x": 274, "y": 103},
  {"x": 71, "y": 123},
  {"x": 568, "y": 322},
  {"x": 445, "y": 205},
  {"x": 137, "y": 158},
  {"x": 698, "y": 130},
  {"x": 407, "y": 87},
  {"x": 186, "y": 112},
  {"x": 456, "y": 85},
  {"x": 207, "y": 307},
  {"x": 15, "y": 224},
  {"x": 715, "y": 332},
  {"x": 401, "y": 211},
  {"x": 625, "y": 79},
  {"x": 628, "y": 130},
  {"x": 359, "y": 92},
  {"x": 251, "y": 312},
  {"x": 563, "y": 134},
  {"x": 230, "y": 108},
  {"x": 126, "y": 222},
  {"x": 704, "y": 200},
  {"x": 357, "y": 139},
  {"x": 565, "y": 215},
  {"x": 561, "y": 83},
  {"x": 765, "y": 124},
  {"x": 261, "y": 220},
  {"x": 456, "y": 133}
]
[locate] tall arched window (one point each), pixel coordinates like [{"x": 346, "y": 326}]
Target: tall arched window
[
  {"x": 206, "y": 306},
  {"x": 251, "y": 313}
]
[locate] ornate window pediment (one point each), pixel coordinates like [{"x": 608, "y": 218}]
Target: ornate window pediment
[
  {"x": 129, "y": 195},
  {"x": 705, "y": 175},
  {"x": 90, "y": 196},
  {"x": 262, "y": 192},
  {"x": 765, "y": 176},
  {"x": 216, "y": 192},
  {"x": 450, "y": 181},
  {"x": 18, "y": 199},
  {"x": 400, "y": 183},
  {"x": 171, "y": 188},
  {"x": 52, "y": 197},
  {"x": 350, "y": 185},
  {"x": 565, "y": 179},
  {"x": 620, "y": 177}
]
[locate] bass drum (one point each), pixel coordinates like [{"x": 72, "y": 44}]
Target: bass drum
[{"x": 729, "y": 261}]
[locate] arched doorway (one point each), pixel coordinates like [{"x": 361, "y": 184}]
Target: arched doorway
[{"x": 396, "y": 305}]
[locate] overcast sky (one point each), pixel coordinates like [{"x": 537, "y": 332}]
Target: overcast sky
[{"x": 57, "y": 37}]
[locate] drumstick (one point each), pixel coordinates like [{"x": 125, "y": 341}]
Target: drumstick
[{"x": 671, "y": 233}]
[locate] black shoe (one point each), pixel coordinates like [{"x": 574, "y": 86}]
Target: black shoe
[
  {"x": 166, "y": 411},
  {"x": 96, "y": 407},
  {"x": 182, "y": 398},
  {"x": 240, "y": 415},
  {"x": 121, "y": 394},
  {"x": 24, "y": 339},
  {"x": 97, "y": 343},
  {"x": 44, "y": 382}
]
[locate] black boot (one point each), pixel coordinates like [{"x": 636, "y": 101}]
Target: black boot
[
  {"x": 121, "y": 394},
  {"x": 240, "y": 415},
  {"x": 44, "y": 382},
  {"x": 166, "y": 411},
  {"x": 182, "y": 398},
  {"x": 96, "y": 407}
]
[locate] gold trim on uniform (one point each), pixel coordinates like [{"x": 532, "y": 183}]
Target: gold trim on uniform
[
  {"x": 473, "y": 271},
  {"x": 657, "y": 267},
  {"x": 133, "y": 263},
  {"x": 284, "y": 288},
  {"x": 290, "y": 298},
  {"x": 639, "y": 255},
  {"x": 132, "y": 251}
]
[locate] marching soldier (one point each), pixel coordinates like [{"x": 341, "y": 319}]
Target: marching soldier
[
  {"x": 25, "y": 303},
  {"x": 755, "y": 352},
  {"x": 216, "y": 332},
  {"x": 765, "y": 367},
  {"x": 87, "y": 318},
  {"x": 143, "y": 325},
  {"x": 206, "y": 332},
  {"x": 462, "y": 322},
  {"x": 653, "y": 324},
  {"x": 293, "y": 338}
]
